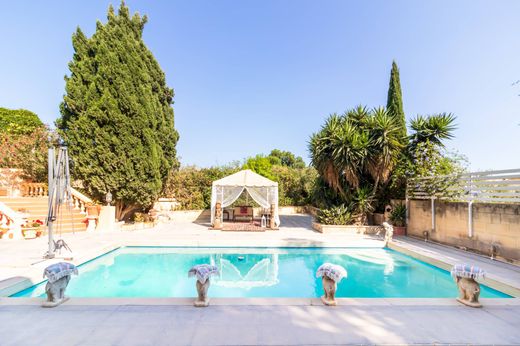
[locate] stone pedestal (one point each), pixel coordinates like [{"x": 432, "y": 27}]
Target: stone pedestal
[
  {"x": 91, "y": 226},
  {"x": 202, "y": 300},
  {"x": 329, "y": 289},
  {"x": 107, "y": 219}
]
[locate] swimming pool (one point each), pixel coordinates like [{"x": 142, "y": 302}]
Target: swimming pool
[{"x": 258, "y": 272}]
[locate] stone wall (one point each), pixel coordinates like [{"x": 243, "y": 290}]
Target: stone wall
[{"x": 493, "y": 224}]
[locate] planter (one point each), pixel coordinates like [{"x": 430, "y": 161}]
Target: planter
[
  {"x": 137, "y": 226},
  {"x": 348, "y": 229},
  {"x": 29, "y": 233},
  {"x": 378, "y": 218},
  {"x": 399, "y": 230},
  {"x": 93, "y": 210}
]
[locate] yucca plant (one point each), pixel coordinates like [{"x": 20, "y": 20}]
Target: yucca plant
[
  {"x": 398, "y": 215},
  {"x": 338, "y": 215},
  {"x": 433, "y": 129},
  {"x": 363, "y": 204},
  {"x": 357, "y": 145}
]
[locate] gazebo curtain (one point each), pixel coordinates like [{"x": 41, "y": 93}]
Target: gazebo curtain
[{"x": 263, "y": 195}]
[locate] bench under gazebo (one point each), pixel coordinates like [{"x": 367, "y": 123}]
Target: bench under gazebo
[{"x": 226, "y": 191}]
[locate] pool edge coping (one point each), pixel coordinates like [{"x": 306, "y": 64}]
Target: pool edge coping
[
  {"x": 490, "y": 280},
  {"x": 26, "y": 282},
  {"x": 346, "y": 302}
]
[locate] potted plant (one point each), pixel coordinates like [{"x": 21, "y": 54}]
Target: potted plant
[
  {"x": 398, "y": 219},
  {"x": 93, "y": 210},
  {"x": 37, "y": 224},
  {"x": 32, "y": 229},
  {"x": 338, "y": 215}
]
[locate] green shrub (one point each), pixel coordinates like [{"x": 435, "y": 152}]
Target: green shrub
[
  {"x": 18, "y": 121},
  {"x": 398, "y": 215},
  {"x": 295, "y": 185},
  {"x": 338, "y": 215},
  {"x": 142, "y": 217},
  {"x": 27, "y": 152},
  {"x": 191, "y": 186}
]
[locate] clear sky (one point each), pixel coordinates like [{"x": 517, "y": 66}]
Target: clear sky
[{"x": 250, "y": 76}]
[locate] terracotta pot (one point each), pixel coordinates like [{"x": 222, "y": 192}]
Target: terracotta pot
[
  {"x": 398, "y": 230},
  {"x": 93, "y": 210}
]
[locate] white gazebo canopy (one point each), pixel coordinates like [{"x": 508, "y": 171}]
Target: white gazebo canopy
[{"x": 228, "y": 189}]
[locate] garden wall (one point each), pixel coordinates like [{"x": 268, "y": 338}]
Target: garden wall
[{"x": 493, "y": 224}]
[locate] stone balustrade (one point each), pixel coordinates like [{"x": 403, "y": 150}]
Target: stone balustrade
[
  {"x": 10, "y": 223},
  {"x": 34, "y": 190},
  {"x": 80, "y": 201}
]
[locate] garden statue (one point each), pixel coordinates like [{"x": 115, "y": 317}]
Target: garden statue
[
  {"x": 58, "y": 276},
  {"x": 469, "y": 289},
  {"x": 217, "y": 224},
  {"x": 330, "y": 274},
  {"x": 202, "y": 272},
  {"x": 389, "y": 232},
  {"x": 387, "y": 213}
]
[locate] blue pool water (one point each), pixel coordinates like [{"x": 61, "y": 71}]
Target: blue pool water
[{"x": 257, "y": 272}]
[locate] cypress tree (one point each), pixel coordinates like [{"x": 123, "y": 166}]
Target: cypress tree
[
  {"x": 394, "y": 103},
  {"x": 117, "y": 115}
]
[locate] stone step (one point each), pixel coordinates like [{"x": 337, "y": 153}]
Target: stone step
[
  {"x": 24, "y": 199},
  {"x": 37, "y": 207}
]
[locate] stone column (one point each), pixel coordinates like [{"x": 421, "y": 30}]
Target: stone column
[
  {"x": 272, "y": 224},
  {"x": 107, "y": 219},
  {"x": 217, "y": 222}
]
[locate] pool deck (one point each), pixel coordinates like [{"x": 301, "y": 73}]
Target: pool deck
[
  {"x": 137, "y": 321},
  {"x": 369, "y": 321}
]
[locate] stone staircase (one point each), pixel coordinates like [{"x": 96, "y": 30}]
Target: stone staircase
[{"x": 70, "y": 219}]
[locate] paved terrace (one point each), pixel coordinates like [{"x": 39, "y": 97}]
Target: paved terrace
[{"x": 248, "y": 321}]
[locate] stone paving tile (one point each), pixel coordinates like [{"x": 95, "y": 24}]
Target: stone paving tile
[{"x": 265, "y": 325}]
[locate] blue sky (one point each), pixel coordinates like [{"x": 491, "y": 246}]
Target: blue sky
[{"x": 250, "y": 76}]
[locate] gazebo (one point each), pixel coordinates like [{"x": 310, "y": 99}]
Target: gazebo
[{"x": 262, "y": 190}]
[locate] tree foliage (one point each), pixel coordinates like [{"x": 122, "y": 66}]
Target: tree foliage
[
  {"x": 191, "y": 186},
  {"x": 361, "y": 158},
  {"x": 23, "y": 143},
  {"x": 117, "y": 117},
  {"x": 286, "y": 158},
  {"x": 394, "y": 103},
  {"x": 18, "y": 122},
  {"x": 356, "y": 149},
  {"x": 260, "y": 164},
  {"x": 26, "y": 152}
]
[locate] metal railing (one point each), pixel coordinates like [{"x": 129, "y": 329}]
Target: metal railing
[
  {"x": 491, "y": 186},
  {"x": 480, "y": 187}
]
